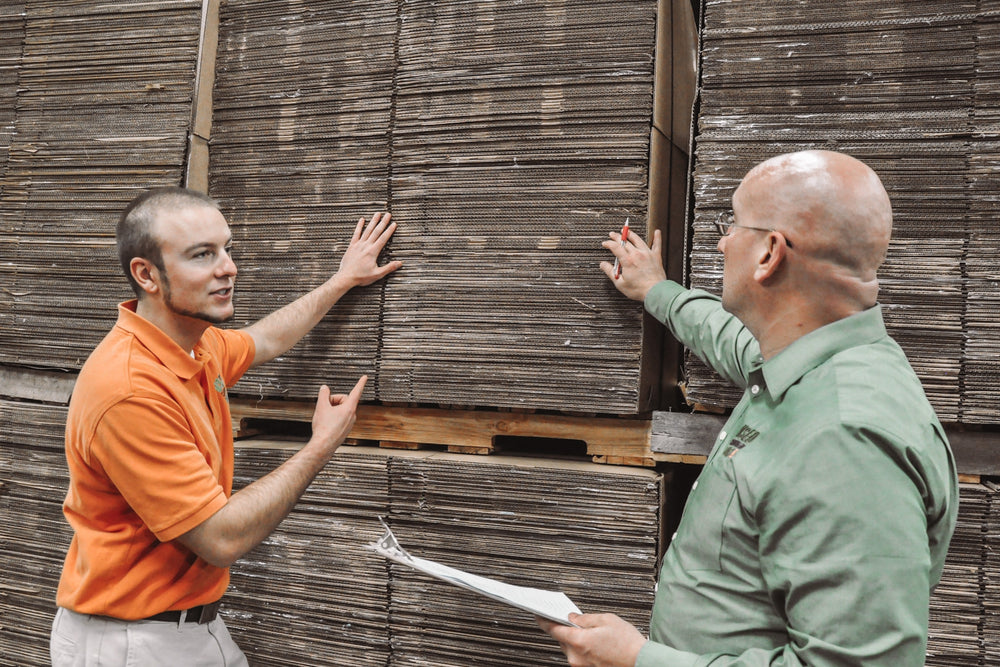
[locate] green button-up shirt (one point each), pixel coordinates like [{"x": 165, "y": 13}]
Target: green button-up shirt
[{"x": 820, "y": 522}]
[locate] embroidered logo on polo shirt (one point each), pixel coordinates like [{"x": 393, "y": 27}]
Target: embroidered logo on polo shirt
[
  {"x": 733, "y": 448},
  {"x": 746, "y": 435},
  {"x": 220, "y": 386}
]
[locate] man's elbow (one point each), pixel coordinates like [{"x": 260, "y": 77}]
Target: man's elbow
[
  {"x": 213, "y": 549},
  {"x": 219, "y": 558}
]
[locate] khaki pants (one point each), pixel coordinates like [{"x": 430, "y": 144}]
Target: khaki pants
[{"x": 80, "y": 640}]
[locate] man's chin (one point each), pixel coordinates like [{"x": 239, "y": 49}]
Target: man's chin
[
  {"x": 208, "y": 318},
  {"x": 220, "y": 320}
]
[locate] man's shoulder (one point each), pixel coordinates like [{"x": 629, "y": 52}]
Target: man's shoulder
[
  {"x": 876, "y": 382},
  {"x": 215, "y": 336},
  {"x": 867, "y": 388},
  {"x": 117, "y": 368}
]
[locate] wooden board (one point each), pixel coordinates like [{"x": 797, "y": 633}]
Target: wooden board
[
  {"x": 690, "y": 436},
  {"x": 622, "y": 441}
]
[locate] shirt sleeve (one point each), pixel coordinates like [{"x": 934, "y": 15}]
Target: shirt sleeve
[
  {"x": 653, "y": 654},
  {"x": 661, "y": 655},
  {"x": 234, "y": 350},
  {"x": 168, "y": 504},
  {"x": 697, "y": 319}
]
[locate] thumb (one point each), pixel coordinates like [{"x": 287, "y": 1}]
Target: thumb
[{"x": 324, "y": 395}]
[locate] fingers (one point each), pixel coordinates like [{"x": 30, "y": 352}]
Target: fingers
[
  {"x": 545, "y": 624},
  {"x": 632, "y": 240},
  {"x": 376, "y": 228},
  {"x": 359, "y": 388},
  {"x": 326, "y": 398},
  {"x": 590, "y": 620},
  {"x": 339, "y": 399}
]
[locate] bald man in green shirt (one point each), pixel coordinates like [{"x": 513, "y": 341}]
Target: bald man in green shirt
[{"x": 819, "y": 525}]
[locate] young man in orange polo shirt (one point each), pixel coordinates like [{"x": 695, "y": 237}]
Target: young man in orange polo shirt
[{"x": 150, "y": 448}]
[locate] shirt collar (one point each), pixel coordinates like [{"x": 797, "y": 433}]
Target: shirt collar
[
  {"x": 160, "y": 344},
  {"x": 803, "y": 355}
]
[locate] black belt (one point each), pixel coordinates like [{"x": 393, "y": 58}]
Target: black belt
[{"x": 205, "y": 613}]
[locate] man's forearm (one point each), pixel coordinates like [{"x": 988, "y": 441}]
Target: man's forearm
[
  {"x": 256, "y": 510},
  {"x": 278, "y": 332}
]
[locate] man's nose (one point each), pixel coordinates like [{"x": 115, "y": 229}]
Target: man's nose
[{"x": 228, "y": 265}]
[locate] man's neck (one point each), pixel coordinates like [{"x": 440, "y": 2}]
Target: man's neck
[
  {"x": 183, "y": 330},
  {"x": 795, "y": 318}
]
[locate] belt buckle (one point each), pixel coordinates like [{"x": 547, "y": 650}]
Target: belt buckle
[{"x": 208, "y": 613}]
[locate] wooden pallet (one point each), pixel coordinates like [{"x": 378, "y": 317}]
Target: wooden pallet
[
  {"x": 615, "y": 441},
  {"x": 688, "y": 438}
]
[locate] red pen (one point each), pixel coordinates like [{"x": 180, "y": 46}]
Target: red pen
[{"x": 618, "y": 268}]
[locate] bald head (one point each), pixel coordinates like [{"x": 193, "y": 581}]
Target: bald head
[{"x": 832, "y": 206}]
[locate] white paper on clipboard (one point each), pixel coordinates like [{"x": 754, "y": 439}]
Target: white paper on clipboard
[{"x": 553, "y": 605}]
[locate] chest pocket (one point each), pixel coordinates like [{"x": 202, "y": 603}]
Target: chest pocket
[{"x": 700, "y": 537}]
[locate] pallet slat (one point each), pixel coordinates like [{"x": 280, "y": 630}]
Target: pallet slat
[{"x": 608, "y": 439}]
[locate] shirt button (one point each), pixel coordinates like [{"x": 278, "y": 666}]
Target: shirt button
[
  {"x": 722, "y": 435},
  {"x": 673, "y": 537},
  {"x": 755, "y": 389},
  {"x": 694, "y": 486}
]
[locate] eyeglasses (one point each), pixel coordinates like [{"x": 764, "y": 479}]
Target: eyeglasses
[{"x": 725, "y": 222}]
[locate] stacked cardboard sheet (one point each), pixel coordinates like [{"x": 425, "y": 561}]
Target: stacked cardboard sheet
[
  {"x": 589, "y": 531},
  {"x": 312, "y": 594},
  {"x": 11, "y": 40},
  {"x": 521, "y": 138},
  {"x": 300, "y": 151},
  {"x": 507, "y": 139},
  {"x": 991, "y": 578},
  {"x": 103, "y": 106},
  {"x": 981, "y": 370},
  {"x": 894, "y": 85},
  {"x": 956, "y": 609},
  {"x": 34, "y": 535}
]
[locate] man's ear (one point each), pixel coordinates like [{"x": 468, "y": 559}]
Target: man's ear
[
  {"x": 145, "y": 274},
  {"x": 771, "y": 258}
]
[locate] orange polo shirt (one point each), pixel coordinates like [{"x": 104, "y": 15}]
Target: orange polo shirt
[{"x": 149, "y": 444}]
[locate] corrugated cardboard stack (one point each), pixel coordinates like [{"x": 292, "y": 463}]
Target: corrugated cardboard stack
[
  {"x": 900, "y": 86},
  {"x": 991, "y": 579},
  {"x": 103, "y": 107},
  {"x": 507, "y": 139},
  {"x": 521, "y": 138},
  {"x": 11, "y": 39},
  {"x": 34, "y": 535},
  {"x": 300, "y": 150},
  {"x": 589, "y": 531},
  {"x": 956, "y": 610},
  {"x": 313, "y": 595}
]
